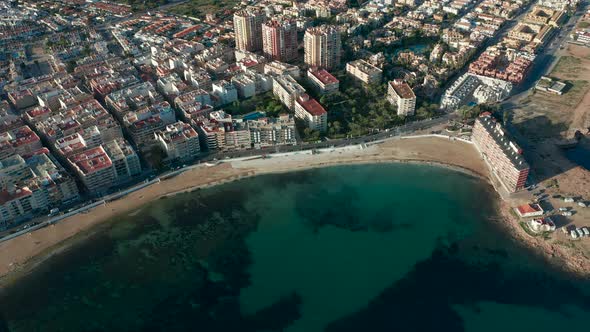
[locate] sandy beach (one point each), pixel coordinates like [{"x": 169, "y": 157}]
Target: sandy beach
[{"x": 21, "y": 254}]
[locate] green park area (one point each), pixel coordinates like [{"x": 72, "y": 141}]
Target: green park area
[
  {"x": 194, "y": 8},
  {"x": 199, "y": 8}
]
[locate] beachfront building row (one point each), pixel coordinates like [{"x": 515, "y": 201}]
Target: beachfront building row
[
  {"x": 33, "y": 185},
  {"x": 180, "y": 141},
  {"x": 500, "y": 152},
  {"x": 105, "y": 166},
  {"x": 400, "y": 94},
  {"x": 265, "y": 132},
  {"x": 220, "y": 132}
]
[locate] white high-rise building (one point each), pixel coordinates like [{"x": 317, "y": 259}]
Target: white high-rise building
[
  {"x": 248, "y": 30},
  {"x": 323, "y": 47}
]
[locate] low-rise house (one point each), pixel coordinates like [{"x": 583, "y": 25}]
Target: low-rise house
[
  {"x": 542, "y": 225},
  {"x": 529, "y": 210}
]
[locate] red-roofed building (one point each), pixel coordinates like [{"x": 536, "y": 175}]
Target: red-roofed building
[
  {"x": 20, "y": 141},
  {"x": 37, "y": 114},
  {"x": 22, "y": 98},
  {"x": 529, "y": 210},
  {"x": 323, "y": 81},
  {"x": 400, "y": 94},
  {"x": 94, "y": 168},
  {"x": 309, "y": 110}
]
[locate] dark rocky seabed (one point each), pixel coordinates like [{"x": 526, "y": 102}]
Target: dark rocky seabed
[{"x": 351, "y": 248}]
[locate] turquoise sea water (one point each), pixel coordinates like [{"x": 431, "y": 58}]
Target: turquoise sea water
[{"x": 352, "y": 248}]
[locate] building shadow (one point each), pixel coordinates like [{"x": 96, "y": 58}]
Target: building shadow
[
  {"x": 561, "y": 221},
  {"x": 538, "y": 137}
]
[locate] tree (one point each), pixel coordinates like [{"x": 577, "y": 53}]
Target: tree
[
  {"x": 310, "y": 134},
  {"x": 335, "y": 128},
  {"x": 71, "y": 66},
  {"x": 469, "y": 112},
  {"x": 156, "y": 157}
]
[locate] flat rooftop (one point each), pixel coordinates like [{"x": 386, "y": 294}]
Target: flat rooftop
[
  {"x": 403, "y": 90},
  {"x": 499, "y": 135}
]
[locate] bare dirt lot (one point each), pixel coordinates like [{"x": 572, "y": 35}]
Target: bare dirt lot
[{"x": 543, "y": 120}]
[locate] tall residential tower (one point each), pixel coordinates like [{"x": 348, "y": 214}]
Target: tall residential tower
[
  {"x": 279, "y": 40},
  {"x": 248, "y": 30},
  {"x": 322, "y": 47}
]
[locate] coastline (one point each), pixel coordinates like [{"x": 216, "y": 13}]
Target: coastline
[{"x": 20, "y": 256}]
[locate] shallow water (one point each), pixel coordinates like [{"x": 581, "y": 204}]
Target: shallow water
[{"x": 350, "y": 248}]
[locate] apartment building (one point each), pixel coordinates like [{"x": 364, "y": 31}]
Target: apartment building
[
  {"x": 248, "y": 29},
  {"x": 225, "y": 92},
  {"x": 76, "y": 143},
  {"x": 279, "y": 40},
  {"x": 132, "y": 98},
  {"x": 310, "y": 111},
  {"x": 278, "y": 68},
  {"x": 262, "y": 81},
  {"x": 322, "y": 80},
  {"x": 221, "y": 132},
  {"x": 95, "y": 169},
  {"x": 287, "y": 90},
  {"x": 400, "y": 94},
  {"x": 323, "y": 47},
  {"x": 245, "y": 85},
  {"x": 198, "y": 77},
  {"x": 500, "y": 152},
  {"x": 211, "y": 134},
  {"x": 125, "y": 160},
  {"x": 32, "y": 186},
  {"x": 56, "y": 125},
  {"x": 142, "y": 123},
  {"x": 20, "y": 141},
  {"x": 364, "y": 71},
  {"x": 267, "y": 132},
  {"x": 180, "y": 141}
]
